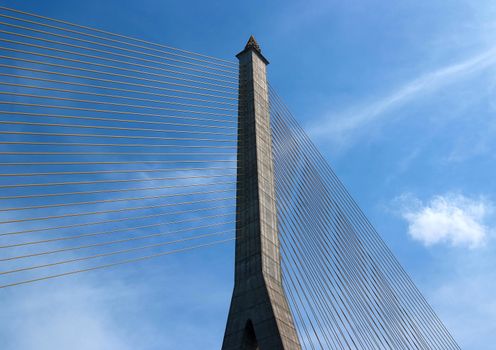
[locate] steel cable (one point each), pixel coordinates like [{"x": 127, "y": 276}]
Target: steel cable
[
  {"x": 120, "y": 210},
  {"x": 30, "y": 29},
  {"x": 117, "y": 35},
  {"x": 122, "y": 262}
]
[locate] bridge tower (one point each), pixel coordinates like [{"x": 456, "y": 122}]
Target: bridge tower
[{"x": 259, "y": 316}]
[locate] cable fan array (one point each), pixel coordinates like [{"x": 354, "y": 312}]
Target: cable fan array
[
  {"x": 345, "y": 288},
  {"x": 113, "y": 150}
]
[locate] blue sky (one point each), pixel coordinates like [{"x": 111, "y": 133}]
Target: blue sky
[{"x": 400, "y": 98}]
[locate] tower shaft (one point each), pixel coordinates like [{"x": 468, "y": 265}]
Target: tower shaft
[{"x": 259, "y": 316}]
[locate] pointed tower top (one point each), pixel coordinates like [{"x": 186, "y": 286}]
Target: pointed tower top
[{"x": 252, "y": 45}]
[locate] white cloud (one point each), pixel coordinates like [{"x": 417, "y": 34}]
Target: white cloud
[
  {"x": 451, "y": 218},
  {"x": 343, "y": 125}
]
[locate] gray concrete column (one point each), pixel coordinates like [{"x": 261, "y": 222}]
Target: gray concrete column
[{"x": 259, "y": 316}]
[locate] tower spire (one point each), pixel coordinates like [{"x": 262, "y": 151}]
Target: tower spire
[{"x": 252, "y": 44}]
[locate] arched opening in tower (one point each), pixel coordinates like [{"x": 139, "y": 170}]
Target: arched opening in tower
[{"x": 250, "y": 339}]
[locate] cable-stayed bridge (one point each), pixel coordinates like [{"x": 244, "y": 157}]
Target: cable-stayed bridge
[{"x": 115, "y": 150}]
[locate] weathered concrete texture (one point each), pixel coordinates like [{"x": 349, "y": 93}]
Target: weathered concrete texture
[{"x": 259, "y": 316}]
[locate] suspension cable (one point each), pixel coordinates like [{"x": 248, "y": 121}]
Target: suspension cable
[
  {"x": 58, "y": 205},
  {"x": 116, "y": 35},
  {"x": 105, "y": 127},
  {"x": 71, "y": 183},
  {"x": 108, "y": 211},
  {"x": 120, "y": 190},
  {"x": 127, "y": 218},
  {"x": 49, "y": 48},
  {"x": 104, "y": 45},
  {"x": 115, "y": 96},
  {"x": 118, "y": 82},
  {"x": 47, "y": 97},
  {"x": 92, "y": 86},
  {"x": 122, "y": 262},
  {"x": 115, "y": 171}
]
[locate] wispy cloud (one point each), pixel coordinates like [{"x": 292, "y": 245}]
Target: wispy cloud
[
  {"x": 452, "y": 218},
  {"x": 343, "y": 125},
  {"x": 60, "y": 317}
]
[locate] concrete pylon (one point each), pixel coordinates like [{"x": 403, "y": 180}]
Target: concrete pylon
[{"x": 259, "y": 316}]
